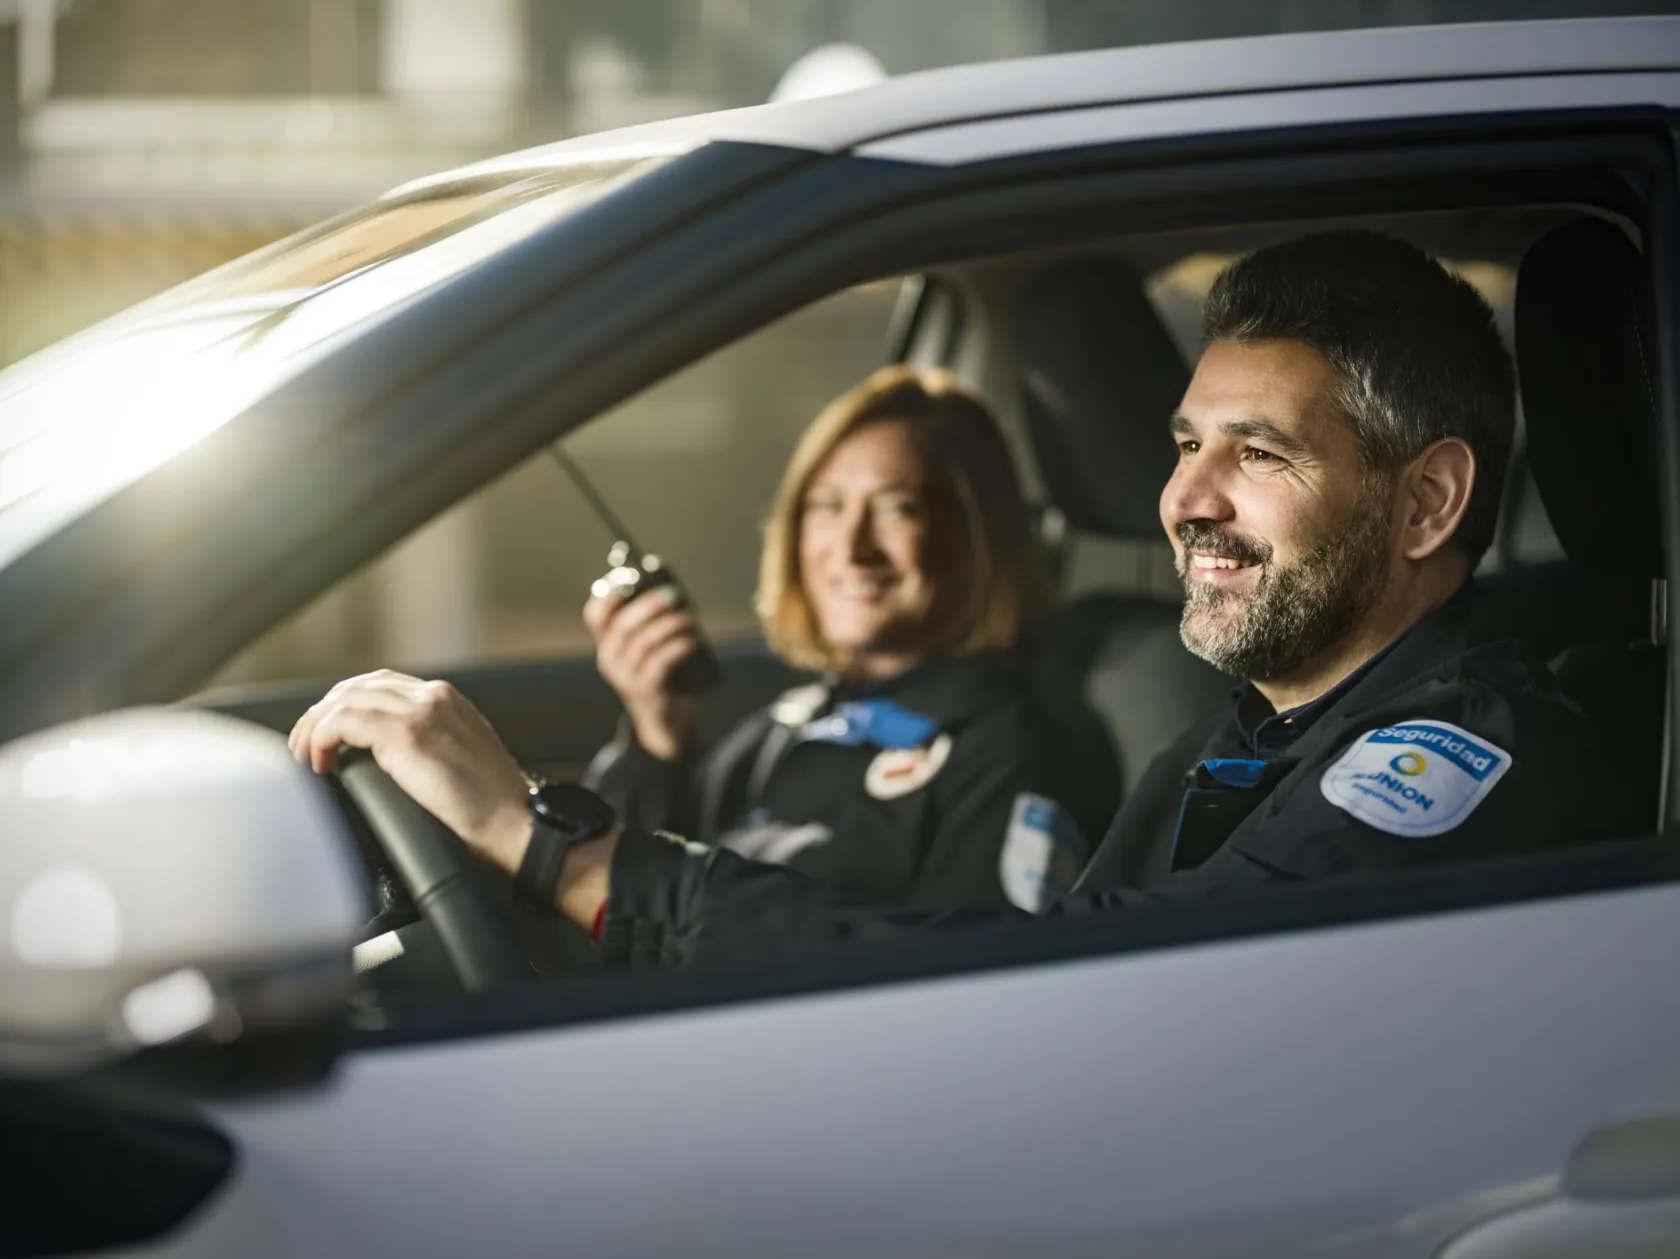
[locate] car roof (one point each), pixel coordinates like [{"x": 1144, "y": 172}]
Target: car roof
[{"x": 961, "y": 94}]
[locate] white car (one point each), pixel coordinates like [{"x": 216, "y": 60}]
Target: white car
[{"x": 1462, "y": 1062}]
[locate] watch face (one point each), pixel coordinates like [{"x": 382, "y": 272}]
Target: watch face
[{"x": 575, "y": 809}]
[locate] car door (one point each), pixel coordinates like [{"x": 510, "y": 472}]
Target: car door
[{"x": 1377, "y": 1089}]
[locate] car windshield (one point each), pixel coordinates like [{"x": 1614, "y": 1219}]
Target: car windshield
[{"x": 82, "y": 419}]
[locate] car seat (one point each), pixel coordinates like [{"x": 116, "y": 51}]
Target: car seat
[
  {"x": 1586, "y": 356},
  {"x": 1099, "y": 380}
]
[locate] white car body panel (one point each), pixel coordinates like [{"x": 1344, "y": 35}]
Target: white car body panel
[
  {"x": 1162, "y": 72},
  {"x": 1258, "y": 1097}
]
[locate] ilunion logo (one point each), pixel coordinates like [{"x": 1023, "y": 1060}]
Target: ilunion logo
[{"x": 1409, "y": 764}]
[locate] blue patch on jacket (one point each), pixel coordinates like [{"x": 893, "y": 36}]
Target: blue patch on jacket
[
  {"x": 876, "y": 721},
  {"x": 1232, "y": 772}
]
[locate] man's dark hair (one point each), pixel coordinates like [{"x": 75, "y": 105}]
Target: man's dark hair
[{"x": 1415, "y": 348}]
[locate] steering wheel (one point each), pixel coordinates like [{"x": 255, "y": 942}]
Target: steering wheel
[{"x": 431, "y": 863}]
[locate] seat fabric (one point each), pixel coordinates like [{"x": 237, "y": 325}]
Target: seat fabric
[
  {"x": 1122, "y": 653},
  {"x": 1099, "y": 378},
  {"x": 1585, "y": 357}
]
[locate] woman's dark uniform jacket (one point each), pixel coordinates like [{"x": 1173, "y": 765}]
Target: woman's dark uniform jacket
[
  {"x": 1447, "y": 747},
  {"x": 953, "y": 784}
]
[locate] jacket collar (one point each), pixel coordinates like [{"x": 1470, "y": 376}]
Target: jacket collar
[
  {"x": 947, "y": 689},
  {"x": 1441, "y": 635},
  {"x": 1420, "y": 655}
]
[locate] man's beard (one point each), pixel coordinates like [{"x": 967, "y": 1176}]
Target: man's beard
[{"x": 1295, "y": 612}]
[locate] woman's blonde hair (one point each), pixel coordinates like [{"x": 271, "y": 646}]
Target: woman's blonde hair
[{"x": 973, "y": 487}]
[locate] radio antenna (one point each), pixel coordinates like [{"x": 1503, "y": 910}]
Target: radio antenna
[{"x": 593, "y": 497}]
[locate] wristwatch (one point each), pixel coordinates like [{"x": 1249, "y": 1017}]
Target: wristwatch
[{"x": 562, "y": 816}]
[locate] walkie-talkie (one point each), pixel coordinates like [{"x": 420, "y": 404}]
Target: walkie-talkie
[{"x": 632, "y": 571}]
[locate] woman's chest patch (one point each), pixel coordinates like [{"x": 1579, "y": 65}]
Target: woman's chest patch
[{"x": 897, "y": 772}]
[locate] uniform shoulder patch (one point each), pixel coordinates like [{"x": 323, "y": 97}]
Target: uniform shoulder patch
[
  {"x": 1042, "y": 852},
  {"x": 1417, "y": 778}
]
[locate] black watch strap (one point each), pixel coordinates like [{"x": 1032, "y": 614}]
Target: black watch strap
[
  {"x": 539, "y": 872},
  {"x": 561, "y": 817}
]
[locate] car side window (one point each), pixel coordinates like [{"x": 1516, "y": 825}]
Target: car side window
[{"x": 690, "y": 465}]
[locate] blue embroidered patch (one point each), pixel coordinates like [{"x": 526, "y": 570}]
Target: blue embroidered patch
[
  {"x": 1231, "y": 772},
  {"x": 879, "y": 722}
]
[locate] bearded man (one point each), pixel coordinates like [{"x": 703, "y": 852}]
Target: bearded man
[{"x": 1341, "y": 450}]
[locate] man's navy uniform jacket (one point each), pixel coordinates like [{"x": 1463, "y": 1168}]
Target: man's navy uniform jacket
[
  {"x": 952, "y": 784},
  {"x": 1445, "y": 747}
]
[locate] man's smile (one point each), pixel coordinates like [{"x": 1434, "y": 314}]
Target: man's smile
[
  {"x": 1214, "y": 557},
  {"x": 1213, "y": 568}
]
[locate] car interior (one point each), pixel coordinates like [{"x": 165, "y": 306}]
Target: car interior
[{"x": 1084, "y": 355}]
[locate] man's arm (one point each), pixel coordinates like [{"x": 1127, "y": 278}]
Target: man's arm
[
  {"x": 676, "y": 903},
  {"x": 439, "y": 749},
  {"x": 673, "y": 902},
  {"x": 660, "y": 900},
  {"x": 667, "y": 901}
]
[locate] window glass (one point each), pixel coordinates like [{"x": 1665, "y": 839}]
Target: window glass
[
  {"x": 84, "y": 418},
  {"x": 689, "y": 465},
  {"x": 401, "y": 224}
]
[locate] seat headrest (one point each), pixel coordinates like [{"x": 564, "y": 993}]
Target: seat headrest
[
  {"x": 1100, "y": 378},
  {"x": 1586, "y": 357}
]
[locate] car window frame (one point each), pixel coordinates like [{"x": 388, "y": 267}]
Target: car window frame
[
  {"x": 844, "y": 220},
  {"x": 1321, "y": 906},
  {"x": 433, "y": 403},
  {"x": 1663, "y": 259}
]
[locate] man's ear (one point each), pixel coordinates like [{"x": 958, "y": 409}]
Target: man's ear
[{"x": 1435, "y": 493}]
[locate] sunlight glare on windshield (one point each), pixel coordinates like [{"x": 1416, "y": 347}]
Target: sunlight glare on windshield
[
  {"x": 81, "y": 420},
  {"x": 381, "y": 288},
  {"x": 151, "y": 395}
]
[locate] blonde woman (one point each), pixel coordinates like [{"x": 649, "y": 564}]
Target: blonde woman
[{"x": 899, "y": 566}]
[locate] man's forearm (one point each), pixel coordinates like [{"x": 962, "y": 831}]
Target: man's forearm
[
  {"x": 584, "y": 878},
  {"x": 676, "y": 903}
]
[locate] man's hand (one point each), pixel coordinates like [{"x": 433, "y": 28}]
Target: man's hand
[{"x": 437, "y": 747}]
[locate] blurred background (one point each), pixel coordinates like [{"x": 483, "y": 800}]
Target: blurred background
[{"x": 145, "y": 141}]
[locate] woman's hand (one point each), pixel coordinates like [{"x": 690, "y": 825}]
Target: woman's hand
[
  {"x": 436, "y": 745},
  {"x": 638, "y": 645}
]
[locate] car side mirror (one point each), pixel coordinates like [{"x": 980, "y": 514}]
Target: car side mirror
[{"x": 172, "y": 884}]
